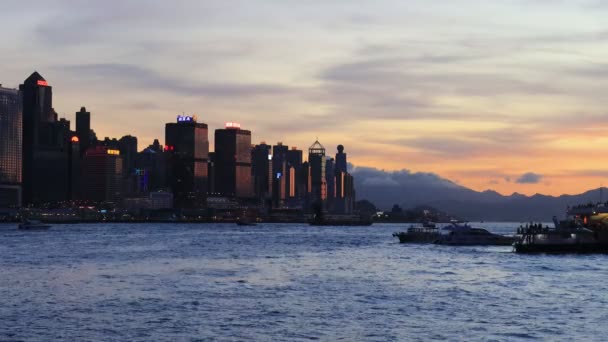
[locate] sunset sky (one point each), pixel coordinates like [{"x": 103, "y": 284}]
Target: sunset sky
[{"x": 509, "y": 95}]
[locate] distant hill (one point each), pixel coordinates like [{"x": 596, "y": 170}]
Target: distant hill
[{"x": 409, "y": 190}]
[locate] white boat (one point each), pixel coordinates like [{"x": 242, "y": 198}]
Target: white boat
[{"x": 33, "y": 225}]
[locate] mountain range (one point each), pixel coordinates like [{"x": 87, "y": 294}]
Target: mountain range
[{"x": 408, "y": 189}]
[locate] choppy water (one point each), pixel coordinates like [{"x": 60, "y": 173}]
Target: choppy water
[{"x": 162, "y": 282}]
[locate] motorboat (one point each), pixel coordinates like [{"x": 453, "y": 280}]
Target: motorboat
[
  {"x": 466, "y": 235},
  {"x": 418, "y": 235}
]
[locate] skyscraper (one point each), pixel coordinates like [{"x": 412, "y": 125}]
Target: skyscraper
[
  {"x": 341, "y": 164},
  {"x": 45, "y": 145},
  {"x": 344, "y": 197},
  {"x": 10, "y": 147},
  {"x": 279, "y": 174},
  {"x": 317, "y": 181},
  {"x": 261, "y": 160},
  {"x": 83, "y": 129},
  {"x": 102, "y": 175},
  {"x": 294, "y": 169},
  {"x": 233, "y": 161},
  {"x": 187, "y": 145}
]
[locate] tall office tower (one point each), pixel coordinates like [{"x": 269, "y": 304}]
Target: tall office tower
[
  {"x": 83, "y": 129},
  {"x": 233, "y": 161},
  {"x": 295, "y": 188},
  {"x": 151, "y": 169},
  {"x": 10, "y": 147},
  {"x": 341, "y": 164},
  {"x": 344, "y": 199},
  {"x": 102, "y": 175},
  {"x": 75, "y": 168},
  {"x": 128, "y": 150},
  {"x": 187, "y": 146},
  {"x": 279, "y": 174},
  {"x": 211, "y": 172},
  {"x": 45, "y": 145},
  {"x": 261, "y": 170},
  {"x": 330, "y": 178},
  {"x": 317, "y": 181}
]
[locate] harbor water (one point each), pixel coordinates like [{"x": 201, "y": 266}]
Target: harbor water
[{"x": 273, "y": 282}]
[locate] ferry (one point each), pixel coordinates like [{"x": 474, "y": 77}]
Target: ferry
[{"x": 585, "y": 230}]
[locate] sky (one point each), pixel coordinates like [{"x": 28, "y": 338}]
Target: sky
[{"x": 508, "y": 95}]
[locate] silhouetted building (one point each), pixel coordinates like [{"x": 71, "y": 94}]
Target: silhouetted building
[
  {"x": 75, "y": 169},
  {"x": 233, "y": 162},
  {"x": 279, "y": 174},
  {"x": 11, "y": 119},
  {"x": 83, "y": 129},
  {"x": 261, "y": 170},
  {"x": 45, "y": 145},
  {"x": 102, "y": 175},
  {"x": 344, "y": 197},
  {"x": 295, "y": 188},
  {"x": 187, "y": 146},
  {"x": 330, "y": 178},
  {"x": 128, "y": 150},
  {"x": 151, "y": 169},
  {"x": 211, "y": 173},
  {"x": 341, "y": 163},
  {"x": 317, "y": 183}
]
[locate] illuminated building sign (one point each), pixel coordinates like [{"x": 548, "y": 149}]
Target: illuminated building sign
[
  {"x": 43, "y": 83},
  {"x": 169, "y": 148},
  {"x": 233, "y": 125},
  {"x": 185, "y": 118},
  {"x": 75, "y": 139},
  {"x": 113, "y": 152},
  {"x": 279, "y": 175}
]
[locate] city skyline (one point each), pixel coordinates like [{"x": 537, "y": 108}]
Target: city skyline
[{"x": 511, "y": 103}]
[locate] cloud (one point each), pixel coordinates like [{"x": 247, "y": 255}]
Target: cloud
[
  {"x": 144, "y": 78},
  {"x": 402, "y": 178},
  {"x": 529, "y": 178}
]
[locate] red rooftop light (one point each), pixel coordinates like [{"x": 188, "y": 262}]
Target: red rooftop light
[{"x": 43, "y": 83}]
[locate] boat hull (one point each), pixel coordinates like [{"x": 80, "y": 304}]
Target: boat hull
[{"x": 417, "y": 237}]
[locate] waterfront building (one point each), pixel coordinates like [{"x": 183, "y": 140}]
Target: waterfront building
[
  {"x": 75, "y": 167},
  {"x": 45, "y": 152},
  {"x": 317, "y": 184},
  {"x": 83, "y": 129},
  {"x": 11, "y": 118},
  {"x": 279, "y": 174},
  {"x": 341, "y": 163},
  {"x": 294, "y": 169},
  {"x": 127, "y": 145},
  {"x": 344, "y": 197},
  {"x": 330, "y": 178},
  {"x": 187, "y": 147},
  {"x": 261, "y": 170},
  {"x": 233, "y": 162},
  {"x": 151, "y": 169},
  {"x": 102, "y": 174}
]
